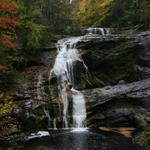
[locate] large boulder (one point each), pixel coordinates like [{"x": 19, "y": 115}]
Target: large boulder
[
  {"x": 120, "y": 105},
  {"x": 112, "y": 58}
]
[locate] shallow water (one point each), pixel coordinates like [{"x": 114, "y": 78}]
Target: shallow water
[{"x": 85, "y": 140}]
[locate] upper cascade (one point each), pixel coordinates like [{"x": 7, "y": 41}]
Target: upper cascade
[
  {"x": 101, "y": 31},
  {"x": 71, "y": 1}
]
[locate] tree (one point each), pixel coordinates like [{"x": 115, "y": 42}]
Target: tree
[
  {"x": 8, "y": 24},
  {"x": 129, "y": 13},
  {"x": 31, "y": 29},
  {"x": 92, "y": 12},
  {"x": 113, "y": 13},
  {"x": 57, "y": 14}
]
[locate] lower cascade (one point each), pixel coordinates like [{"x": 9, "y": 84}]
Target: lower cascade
[
  {"x": 79, "y": 110},
  {"x": 65, "y": 68}
]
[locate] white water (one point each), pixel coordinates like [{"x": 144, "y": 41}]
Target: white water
[
  {"x": 54, "y": 123},
  {"x": 101, "y": 31},
  {"x": 64, "y": 67},
  {"x": 39, "y": 134},
  {"x": 79, "y": 110},
  {"x": 71, "y": 1}
]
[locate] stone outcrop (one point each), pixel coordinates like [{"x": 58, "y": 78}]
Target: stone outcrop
[
  {"x": 118, "y": 90},
  {"x": 120, "y": 105}
]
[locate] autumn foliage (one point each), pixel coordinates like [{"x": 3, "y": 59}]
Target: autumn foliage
[
  {"x": 8, "y": 24},
  {"x": 9, "y": 6}
]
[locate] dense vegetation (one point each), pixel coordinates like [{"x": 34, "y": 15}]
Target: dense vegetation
[
  {"x": 113, "y": 13},
  {"x": 26, "y": 27}
]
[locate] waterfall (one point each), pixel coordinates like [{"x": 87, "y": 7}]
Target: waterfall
[
  {"x": 64, "y": 67},
  {"x": 65, "y": 70},
  {"x": 79, "y": 110},
  {"x": 71, "y": 1},
  {"x": 101, "y": 31}
]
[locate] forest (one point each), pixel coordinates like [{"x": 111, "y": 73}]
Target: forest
[{"x": 29, "y": 31}]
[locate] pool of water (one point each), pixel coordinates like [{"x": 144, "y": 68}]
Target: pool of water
[{"x": 78, "y": 140}]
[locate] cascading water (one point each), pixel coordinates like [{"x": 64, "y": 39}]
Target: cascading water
[
  {"x": 101, "y": 31},
  {"x": 79, "y": 110},
  {"x": 70, "y": 1},
  {"x": 64, "y": 68}
]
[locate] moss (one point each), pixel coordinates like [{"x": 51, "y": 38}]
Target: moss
[
  {"x": 143, "y": 138},
  {"x": 7, "y": 78},
  {"x": 8, "y": 123},
  {"x": 82, "y": 83},
  {"x": 90, "y": 81},
  {"x": 6, "y": 106},
  {"x": 111, "y": 62},
  {"x": 53, "y": 91},
  {"x": 124, "y": 58}
]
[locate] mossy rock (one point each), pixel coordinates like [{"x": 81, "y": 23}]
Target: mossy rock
[{"x": 111, "y": 62}]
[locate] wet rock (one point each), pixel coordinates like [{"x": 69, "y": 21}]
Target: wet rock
[
  {"x": 20, "y": 97},
  {"x": 143, "y": 65},
  {"x": 16, "y": 112},
  {"x": 120, "y": 105},
  {"x": 112, "y": 61},
  {"x": 105, "y": 94},
  {"x": 48, "y": 58},
  {"x": 118, "y": 117},
  {"x": 121, "y": 82},
  {"x": 114, "y": 57}
]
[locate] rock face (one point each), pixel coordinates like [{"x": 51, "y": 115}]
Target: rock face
[
  {"x": 33, "y": 96},
  {"x": 116, "y": 85},
  {"x": 120, "y": 105},
  {"x": 118, "y": 92},
  {"x": 143, "y": 66},
  {"x": 112, "y": 58}
]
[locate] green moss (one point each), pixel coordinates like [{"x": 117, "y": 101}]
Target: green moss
[
  {"x": 97, "y": 96},
  {"x": 144, "y": 136},
  {"x": 112, "y": 61}
]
